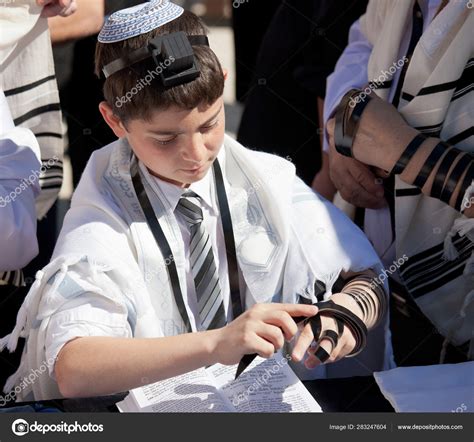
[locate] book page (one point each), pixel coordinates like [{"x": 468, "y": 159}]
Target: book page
[
  {"x": 266, "y": 386},
  {"x": 187, "y": 393}
]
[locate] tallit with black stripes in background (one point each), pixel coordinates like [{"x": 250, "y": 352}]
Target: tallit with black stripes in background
[
  {"x": 28, "y": 80},
  {"x": 437, "y": 99},
  {"x": 27, "y": 77}
]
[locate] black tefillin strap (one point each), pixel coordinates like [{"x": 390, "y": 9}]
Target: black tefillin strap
[
  {"x": 233, "y": 268},
  {"x": 346, "y": 126},
  {"x": 330, "y": 309},
  {"x": 165, "y": 248},
  {"x": 407, "y": 154},
  {"x": 172, "y": 52}
]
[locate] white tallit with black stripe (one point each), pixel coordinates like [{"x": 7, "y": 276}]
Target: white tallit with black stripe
[
  {"x": 29, "y": 82},
  {"x": 437, "y": 99}
]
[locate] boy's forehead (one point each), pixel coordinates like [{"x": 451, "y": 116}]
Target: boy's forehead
[{"x": 173, "y": 116}]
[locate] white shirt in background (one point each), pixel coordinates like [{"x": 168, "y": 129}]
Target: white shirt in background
[{"x": 19, "y": 185}]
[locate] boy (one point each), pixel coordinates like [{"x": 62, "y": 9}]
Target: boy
[{"x": 198, "y": 266}]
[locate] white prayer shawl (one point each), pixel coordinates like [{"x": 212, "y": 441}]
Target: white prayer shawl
[
  {"x": 286, "y": 237},
  {"x": 426, "y": 227}
]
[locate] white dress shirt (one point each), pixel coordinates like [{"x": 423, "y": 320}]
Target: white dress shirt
[
  {"x": 206, "y": 190},
  {"x": 352, "y": 72},
  {"x": 19, "y": 159},
  {"x": 90, "y": 316}
]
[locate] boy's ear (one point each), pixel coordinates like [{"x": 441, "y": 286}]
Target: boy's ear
[
  {"x": 112, "y": 120},
  {"x": 226, "y": 73}
]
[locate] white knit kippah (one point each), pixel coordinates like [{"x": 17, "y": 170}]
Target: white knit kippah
[{"x": 140, "y": 19}]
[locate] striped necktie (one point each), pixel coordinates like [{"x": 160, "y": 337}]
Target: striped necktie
[{"x": 203, "y": 267}]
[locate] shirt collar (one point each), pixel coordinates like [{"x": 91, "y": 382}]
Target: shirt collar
[{"x": 203, "y": 188}]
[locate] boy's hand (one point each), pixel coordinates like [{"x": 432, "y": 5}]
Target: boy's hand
[
  {"x": 263, "y": 330},
  {"x": 346, "y": 342}
]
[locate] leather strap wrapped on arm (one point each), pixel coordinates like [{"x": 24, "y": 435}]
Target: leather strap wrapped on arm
[{"x": 325, "y": 308}]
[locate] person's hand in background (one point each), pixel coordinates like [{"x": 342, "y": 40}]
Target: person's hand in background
[
  {"x": 51, "y": 8},
  {"x": 355, "y": 181},
  {"x": 88, "y": 20}
]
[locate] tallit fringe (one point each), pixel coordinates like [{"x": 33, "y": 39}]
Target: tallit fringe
[
  {"x": 4, "y": 341},
  {"x": 11, "y": 340},
  {"x": 462, "y": 227},
  {"x": 23, "y": 324}
]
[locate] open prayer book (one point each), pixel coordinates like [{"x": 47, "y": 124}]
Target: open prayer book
[{"x": 267, "y": 385}]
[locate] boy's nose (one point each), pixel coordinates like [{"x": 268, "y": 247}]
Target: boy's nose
[{"x": 195, "y": 149}]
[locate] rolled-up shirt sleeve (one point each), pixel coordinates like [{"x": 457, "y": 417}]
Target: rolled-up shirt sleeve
[
  {"x": 351, "y": 72},
  {"x": 86, "y": 313}
]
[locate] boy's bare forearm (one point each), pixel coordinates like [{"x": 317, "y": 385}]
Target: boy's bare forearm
[{"x": 94, "y": 366}]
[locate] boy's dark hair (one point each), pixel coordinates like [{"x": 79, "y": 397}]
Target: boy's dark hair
[{"x": 131, "y": 98}]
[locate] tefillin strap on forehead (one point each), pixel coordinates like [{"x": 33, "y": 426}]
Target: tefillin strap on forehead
[{"x": 173, "y": 53}]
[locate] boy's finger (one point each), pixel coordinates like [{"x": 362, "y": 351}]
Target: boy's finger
[
  {"x": 284, "y": 322},
  {"x": 313, "y": 360},
  {"x": 298, "y": 309},
  {"x": 263, "y": 348},
  {"x": 272, "y": 334},
  {"x": 303, "y": 342}
]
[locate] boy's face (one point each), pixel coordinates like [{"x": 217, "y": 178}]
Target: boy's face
[{"x": 176, "y": 145}]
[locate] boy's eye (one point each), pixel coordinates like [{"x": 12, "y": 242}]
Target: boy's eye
[
  {"x": 163, "y": 142},
  {"x": 210, "y": 126}
]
